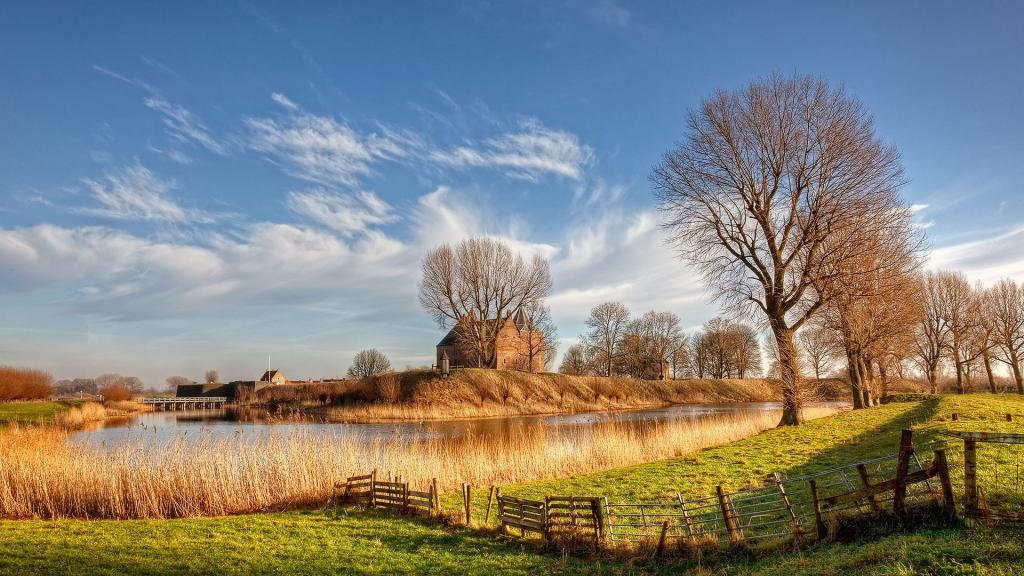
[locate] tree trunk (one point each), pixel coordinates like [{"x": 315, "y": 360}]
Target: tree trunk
[
  {"x": 988, "y": 371},
  {"x": 865, "y": 380},
  {"x": 959, "y": 372},
  {"x": 933, "y": 370},
  {"x": 1017, "y": 376},
  {"x": 884, "y": 375},
  {"x": 853, "y": 367},
  {"x": 789, "y": 371}
]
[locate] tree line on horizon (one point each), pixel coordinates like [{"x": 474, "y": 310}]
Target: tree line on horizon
[{"x": 654, "y": 345}]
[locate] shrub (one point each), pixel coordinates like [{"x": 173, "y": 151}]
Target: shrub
[
  {"x": 24, "y": 384},
  {"x": 116, "y": 393},
  {"x": 389, "y": 387}
]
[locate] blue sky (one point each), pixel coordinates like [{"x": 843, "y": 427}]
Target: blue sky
[{"x": 189, "y": 186}]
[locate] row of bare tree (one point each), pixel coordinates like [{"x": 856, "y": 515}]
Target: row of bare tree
[
  {"x": 654, "y": 345},
  {"x": 617, "y": 345},
  {"x": 970, "y": 328}
]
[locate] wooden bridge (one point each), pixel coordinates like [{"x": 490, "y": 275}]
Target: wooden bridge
[{"x": 186, "y": 403}]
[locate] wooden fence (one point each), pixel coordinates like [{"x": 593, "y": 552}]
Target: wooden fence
[
  {"x": 784, "y": 508},
  {"x": 526, "y": 515},
  {"x": 394, "y": 495},
  {"x": 1006, "y": 482}
]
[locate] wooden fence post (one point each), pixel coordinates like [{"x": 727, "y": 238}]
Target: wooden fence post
[
  {"x": 373, "y": 486},
  {"x": 727, "y": 516},
  {"x": 971, "y": 477},
  {"x": 437, "y": 497},
  {"x": 795, "y": 522},
  {"x": 942, "y": 466},
  {"x": 405, "y": 498},
  {"x": 466, "y": 500},
  {"x": 686, "y": 517},
  {"x": 819, "y": 523},
  {"x": 661, "y": 539},
  {"x": 902, "y": 467},
  {"x": 862, "y": 470},
  {"x": 598, "y": 511},
  {"x": 490, "y": 496}
]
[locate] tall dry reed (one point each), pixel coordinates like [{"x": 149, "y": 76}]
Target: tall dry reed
[
  {"x": 46, "y": 475},
  {"x": 76, "y": 416}
]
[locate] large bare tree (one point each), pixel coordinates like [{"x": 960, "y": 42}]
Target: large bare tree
[
  {"x": 606, "y": 328},
  {"x": 541, "y": 335},
  {"x": 1004, "y": 307},
  {"x": 368, "y": 363},
  {"x": 477, "y": 286},
  {"x": 958, "y": 306},
  {"x": 766, "y": 179},
  {"x": 648, "y": 344},
  {"x": 819, "y": 348},
  {"x": 932, "y": 335},
  {"x": 574, "y": 362}
]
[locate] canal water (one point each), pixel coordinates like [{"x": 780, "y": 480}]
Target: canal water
[{"x": 228, "y": 422}]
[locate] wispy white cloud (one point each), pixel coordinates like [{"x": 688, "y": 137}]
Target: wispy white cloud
[
  {"x": 183, "y": 126},
  {"x": 348, "y": 214},
  {"x": 987, "y": 259},
  {"x": 284, "y": 101},
  {"x": 135, "y": 193},
  {"x": 320, "y": 149},
  {"x": 158, "y": 65},
  {"x": 116, "y": 274},
  {"x": 529, "y": 153},
  {"x": 442, "y": 216}
]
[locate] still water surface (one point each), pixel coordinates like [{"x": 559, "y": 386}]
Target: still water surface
[{"x": 215, "y": 423}]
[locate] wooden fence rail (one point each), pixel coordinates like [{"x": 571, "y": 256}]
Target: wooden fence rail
[
  {"x": 369, "y": 491},
  {"x": 793, "y": 507},
  {"x": 527, "y": 515}
]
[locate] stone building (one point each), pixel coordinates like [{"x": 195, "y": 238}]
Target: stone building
[
  {"x": 275, "y": 377},
  {"x": 513, "y": 345}
]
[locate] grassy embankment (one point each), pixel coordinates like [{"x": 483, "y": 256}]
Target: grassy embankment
[
  {"x": 70, "y": 415},
  {"x": 369, "y": 543},
  {"x": 476, "y": 393},
  {"x": 31, "y": 412}
]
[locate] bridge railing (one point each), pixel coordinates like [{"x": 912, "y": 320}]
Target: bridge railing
[{"x": 184, "y": 399}]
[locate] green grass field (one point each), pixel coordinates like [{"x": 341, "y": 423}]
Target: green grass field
[
  {"x": 30, "y": 412},
  {"x": 351, "y": 541}
]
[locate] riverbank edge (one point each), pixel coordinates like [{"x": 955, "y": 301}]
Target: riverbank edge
[
  {"x": 62, "y": 413},
  {"x": 423, "y": 395},
  {"x": 325, "y": 413}
]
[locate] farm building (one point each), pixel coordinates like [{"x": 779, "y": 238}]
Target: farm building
[
  {"x": 513, "y": 346},
  {"x": 231, "y": 390}
]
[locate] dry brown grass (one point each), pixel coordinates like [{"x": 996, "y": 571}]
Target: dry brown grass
[
  {"x": 474, "y": 393},
  {"x": 44, "y": 475},
  {"x": 77, "y": 416}
]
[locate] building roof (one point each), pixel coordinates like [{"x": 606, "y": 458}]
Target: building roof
[
  {"x": 450, "y": 339},
  {"x": 518, "y": 319},
  {"x": 269, "y": 375}
]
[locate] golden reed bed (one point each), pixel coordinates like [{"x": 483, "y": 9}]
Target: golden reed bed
[{"x": 44, "y": 475}]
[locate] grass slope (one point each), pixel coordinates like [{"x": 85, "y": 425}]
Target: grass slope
[
  {"x": 356, "y": 542},
  {"x": 348, "y": 542},
  {"x": 30, "y": 412},
  {"x": 479, "y": 393}
]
